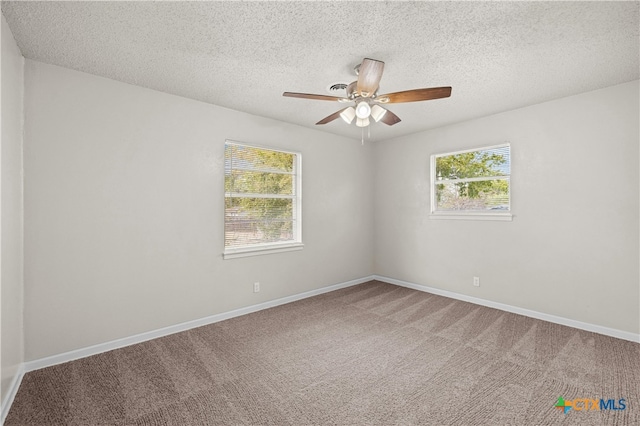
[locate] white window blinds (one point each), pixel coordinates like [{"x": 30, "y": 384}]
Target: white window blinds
[{"x": 262, "y": 197}]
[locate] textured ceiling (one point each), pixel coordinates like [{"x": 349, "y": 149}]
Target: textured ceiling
[{"x": 497, "y": 56}]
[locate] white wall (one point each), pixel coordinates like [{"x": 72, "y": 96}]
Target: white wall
[
  {"x": 124, "y": 211},
  {"x": 572, "y": 247},
  {"x": 11, "y": 210}
]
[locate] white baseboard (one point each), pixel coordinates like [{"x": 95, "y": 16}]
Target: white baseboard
[
  {"x": 131, "y": 340},
  {"x": 139, "y": 338},
  {"x": 143, "y": 337},
  {"x": 633, "y": 337},
  {"x": 11, "y": 394}
]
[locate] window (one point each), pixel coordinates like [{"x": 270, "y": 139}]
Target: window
[
  {"x": 472, "y": 184},
  {"x": 262, "y": 202}
]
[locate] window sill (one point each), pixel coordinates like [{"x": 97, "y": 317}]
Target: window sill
[
  {"x": 472, "y": 216},
  {"x": 261, "y": 250}
]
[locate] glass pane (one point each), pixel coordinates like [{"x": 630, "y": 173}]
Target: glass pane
[
  {"x": 242, "y": 181},
  {"x": 258, "y": 220},
  {"x": 482, "y": 163},
  {"x": 246, "y": 157},
  {"x": 490, "y": 195}
]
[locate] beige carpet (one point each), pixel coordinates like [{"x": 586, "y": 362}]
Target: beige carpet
[{"x": 372, "y": 354}]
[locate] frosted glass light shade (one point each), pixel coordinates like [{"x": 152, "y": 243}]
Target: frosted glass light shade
[
  {"x": 362, "y": 122},
  {"x": 377, "y": 112},
  {"x": 348, "y": 114},
  {"x": 363, "y": 110}
]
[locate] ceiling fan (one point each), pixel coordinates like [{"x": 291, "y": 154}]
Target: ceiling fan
[{"x": 364, "y": 93}]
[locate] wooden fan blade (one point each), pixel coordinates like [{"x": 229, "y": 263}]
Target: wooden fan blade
[
  {"x": 390, "y": 118},
  {"x": 369, "y": 76},
  {"x": 312, "y": 96},
  {"x": 331, "y": 117},
  {"x": 415, "y": 95}
]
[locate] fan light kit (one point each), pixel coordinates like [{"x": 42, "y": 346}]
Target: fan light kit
[
  {"x": 348, "y": 114},
  {"x": 377, "y": 112},
  {"x": 363, "y": 110},
  {"x": 362, "y": 122},
  {"x": 364, "y": 93}
]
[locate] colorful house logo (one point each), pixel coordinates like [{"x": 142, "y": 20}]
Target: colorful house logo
[
  {"x": 561, "y": 404},
  {"x": 590, "y": 404}
]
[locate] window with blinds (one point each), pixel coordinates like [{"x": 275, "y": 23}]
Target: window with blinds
[
  {"x": 262, "y": 198},
  {"x": 472, "y": 181}
]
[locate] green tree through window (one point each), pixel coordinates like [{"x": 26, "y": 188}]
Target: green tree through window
[
  {"x": 260, "y": 196},
  {"x": 472, "y": 180}
]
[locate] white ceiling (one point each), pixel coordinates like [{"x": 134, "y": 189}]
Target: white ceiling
[{"x": 497, "y": 56}]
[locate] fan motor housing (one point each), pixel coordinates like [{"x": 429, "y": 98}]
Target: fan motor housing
[{"x": 351, "y": 89}]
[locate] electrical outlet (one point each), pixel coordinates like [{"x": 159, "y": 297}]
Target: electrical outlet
[
  {"x": 256, "y": 287},
  {"x": 476, "y": 281}
]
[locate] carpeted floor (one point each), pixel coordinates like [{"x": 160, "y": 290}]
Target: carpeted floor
[{"x": 372, "y": 354}]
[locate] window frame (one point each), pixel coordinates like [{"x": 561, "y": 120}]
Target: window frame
[
  {"x": 468, "y": 214},
  {"x": 267, "y": 248}
]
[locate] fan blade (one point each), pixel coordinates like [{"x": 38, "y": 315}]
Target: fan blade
[
  {"x": 390, "y": 118},
  {"x": 311, "y": 96},
  {"x": 415, "y": 95},
  {"x": 369, "y": 76},
  {"x": 331, "y": 117}
]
